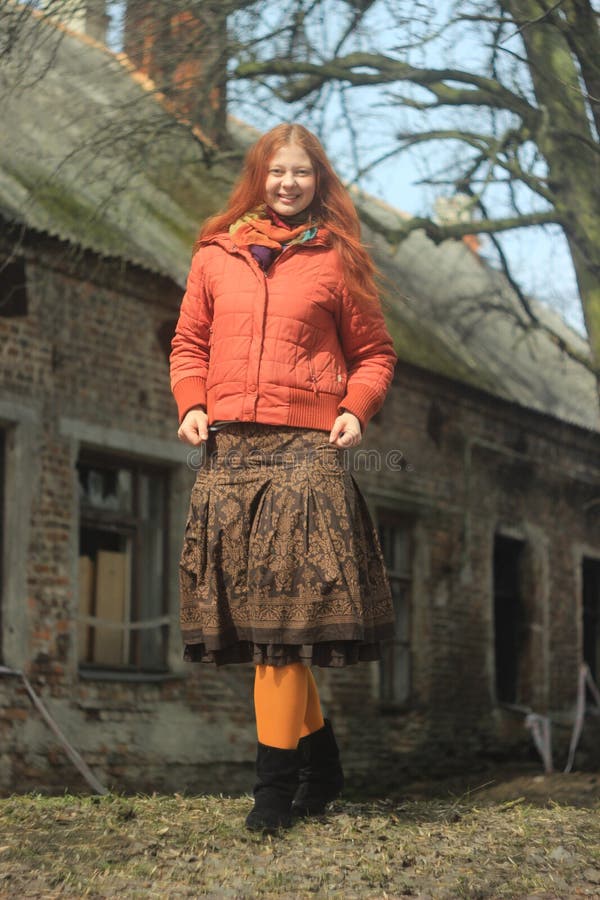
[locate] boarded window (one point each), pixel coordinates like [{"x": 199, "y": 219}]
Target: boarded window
[
  {"x": 510, "y": 620},
  {"x": 13, "y": 289},
  {"x": 591, "y": 615},
  {"x": 395, "y": 668},
  {"x": 122, "y": 565}
]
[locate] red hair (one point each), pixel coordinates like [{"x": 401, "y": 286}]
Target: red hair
[{"x": 332, "y": 205}]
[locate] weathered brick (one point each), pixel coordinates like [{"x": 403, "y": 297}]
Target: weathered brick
[{"x": 88, "y": 350}]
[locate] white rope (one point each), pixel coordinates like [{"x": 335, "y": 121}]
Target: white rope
[
  {"x": 541, "y": 730},
  {"x": 541, "y": 726},
  {"x": 71, "y": 752},
  {"x": 585, "y": 680}
]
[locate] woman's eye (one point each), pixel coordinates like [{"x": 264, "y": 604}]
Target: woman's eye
[{"x": 302, "y": 173}]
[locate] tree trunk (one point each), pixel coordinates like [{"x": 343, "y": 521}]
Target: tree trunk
[{"x": 570, "y": 148}]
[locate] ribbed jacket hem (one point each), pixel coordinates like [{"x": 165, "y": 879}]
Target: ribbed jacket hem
[
  {"x": 304, "y": 409},
  {"x": 363, "y": 401},
  {"x": 189, "y": 392},
  {"x": 305, "y": 413}
]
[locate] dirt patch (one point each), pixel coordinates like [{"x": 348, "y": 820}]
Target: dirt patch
[{"x": 525, "y": 836}]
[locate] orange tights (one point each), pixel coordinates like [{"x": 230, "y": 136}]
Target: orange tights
[{"x": 287, "y": 705}]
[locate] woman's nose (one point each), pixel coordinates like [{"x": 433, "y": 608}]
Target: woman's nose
[{"x": 288, "y": 179}]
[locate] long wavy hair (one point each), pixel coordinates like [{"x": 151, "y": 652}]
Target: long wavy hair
[{"x": 331, "y": 206}]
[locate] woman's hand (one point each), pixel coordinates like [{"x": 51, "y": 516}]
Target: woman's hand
[
  {"x": 346, "y": 431},
  {"x": 194, "y": 427}
]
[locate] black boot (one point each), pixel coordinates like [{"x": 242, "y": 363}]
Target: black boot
[
  {"x": 277, "y": 772},
  {"x": 321, "y": 776}
]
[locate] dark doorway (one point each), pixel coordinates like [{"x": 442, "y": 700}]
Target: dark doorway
[
  {"x": 509, "y": 616},
  {"x": 591, "y": 614}
]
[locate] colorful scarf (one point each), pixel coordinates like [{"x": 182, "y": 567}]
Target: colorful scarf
[{"x": 266, "y": 234}]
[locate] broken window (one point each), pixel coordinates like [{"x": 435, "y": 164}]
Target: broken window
[
  {"x": 395, "y": 667},
  {"x": 591, "y": 615},
  {"x": 122, "y": 565},
  {"x": 510, "y": 619}
]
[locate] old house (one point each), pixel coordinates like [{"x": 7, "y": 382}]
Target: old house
[{"x": 481, "y": 470}]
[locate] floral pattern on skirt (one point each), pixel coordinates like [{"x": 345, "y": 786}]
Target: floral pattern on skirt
[{"x": 281, "y": 560}]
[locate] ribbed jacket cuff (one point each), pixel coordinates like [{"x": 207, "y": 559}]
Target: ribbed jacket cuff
[
  {"x": 362, "y": 401},
  {"x": 189, "y": 392}
]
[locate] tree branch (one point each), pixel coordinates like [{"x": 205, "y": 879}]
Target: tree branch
[
  {"x": 394, "y": 234},
  {"x": 534, "y": 320},
  {"x": 385, "y": 70},
  {"x": 535, "y": 21},
  {"x": 491, "y": 148}
]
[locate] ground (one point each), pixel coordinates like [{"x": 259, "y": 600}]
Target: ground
[{"x": 520, "y": 835}]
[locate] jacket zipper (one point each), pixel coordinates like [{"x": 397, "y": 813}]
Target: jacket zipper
[
  {"x": 266, "y": 275},
  {"x": 313, "y": 376},
  {"x": 276, "y": 261}
]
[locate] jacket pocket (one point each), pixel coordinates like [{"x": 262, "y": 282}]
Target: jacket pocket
[
  {"x": 312, "y": 371},
  {"x": 312, "y": 375},
  {"x": 341, "y": 381},
  {"x": 209, "y": 379}
]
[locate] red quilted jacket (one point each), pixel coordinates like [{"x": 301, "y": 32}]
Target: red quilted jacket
[{"x": 287, "y": 347}]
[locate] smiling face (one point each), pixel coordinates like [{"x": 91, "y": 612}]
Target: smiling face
[{"x": 291, "y": 181}]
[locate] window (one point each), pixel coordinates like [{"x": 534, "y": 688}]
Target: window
[
  {"x": 164, "y": 334},
  {"x": 13, "y": 290},
  {"x": 122, "y": 565},
  {"x": 395, "y": 667},
  {"x": 510, "y": 620},
  {"x": 591, "y": 615}
]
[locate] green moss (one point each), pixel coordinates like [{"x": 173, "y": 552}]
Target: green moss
[
  {"x": 418, "y": 345},
  {"x": 179, "y": 229},
  {"x": 61, "y": 211}
]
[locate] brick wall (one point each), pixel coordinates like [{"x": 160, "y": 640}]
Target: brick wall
[
  {"x": 495, "y": 468},
  {"x": 88, "y": 356}
]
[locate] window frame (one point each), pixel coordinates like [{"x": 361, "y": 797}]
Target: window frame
[{"x": 129, "y": 525}]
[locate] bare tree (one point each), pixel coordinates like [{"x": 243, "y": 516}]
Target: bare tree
[{"x": 524, "y": 112}]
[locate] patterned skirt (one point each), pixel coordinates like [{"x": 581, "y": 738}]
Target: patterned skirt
[{"x": 281, "y": 561}]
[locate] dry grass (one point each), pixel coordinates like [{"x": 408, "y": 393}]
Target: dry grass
[{"x": 478, "y": 845}]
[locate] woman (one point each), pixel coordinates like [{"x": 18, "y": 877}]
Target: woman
[{"x": 280, "y": 358}]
